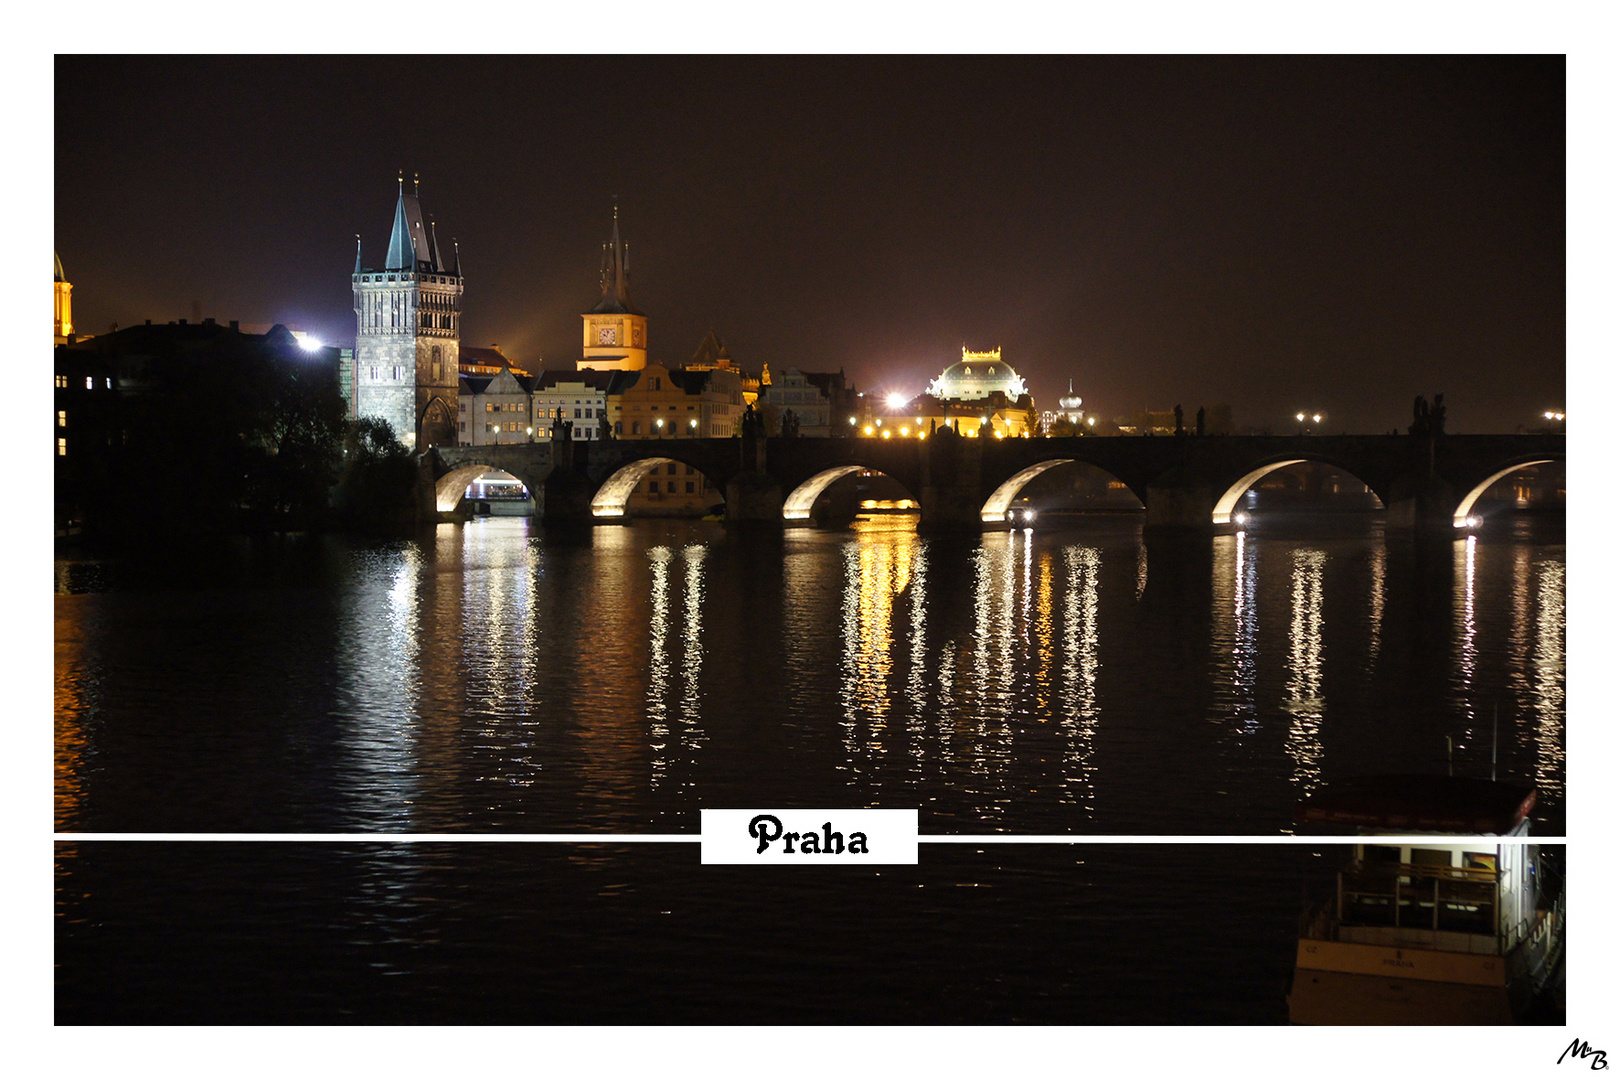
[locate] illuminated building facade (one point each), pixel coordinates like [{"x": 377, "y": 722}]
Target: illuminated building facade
[
  {"x": 408, "y": 332},
  {"x": 615, "y": 332},
  {"x": 64, "y": 304},
  {"x": 980, "y": 394},
  {"x": 679, "y": 404},
  {"x": 496, "y": 409}
]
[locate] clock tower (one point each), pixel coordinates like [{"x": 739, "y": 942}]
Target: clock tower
[{"x": 615, "y": 332}]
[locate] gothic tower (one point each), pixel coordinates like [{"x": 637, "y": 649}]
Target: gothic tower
[
  {"x": 615, "y": 332},
  {"x": 407, "y": 346},
  {"x": 64, "y": 304}
]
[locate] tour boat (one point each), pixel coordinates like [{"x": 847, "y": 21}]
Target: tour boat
[{"x": 1463, "y": 928}]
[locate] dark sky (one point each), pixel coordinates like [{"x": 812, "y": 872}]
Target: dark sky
[{"x": 1334, "y": 234}]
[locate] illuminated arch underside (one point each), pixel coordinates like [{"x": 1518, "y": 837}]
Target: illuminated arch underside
[
  {"x": 614, "y": 493},
  {"x": 796, "y": 507},
  {"x": 449, "y": 489},
  {"x": 1466, "y": 507},
  {"x": 1223, "y": 507},
  {"x": 995, "y": 507}
]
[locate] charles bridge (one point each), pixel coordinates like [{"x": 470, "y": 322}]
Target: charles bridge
[{"x": 1427, "y": 483}]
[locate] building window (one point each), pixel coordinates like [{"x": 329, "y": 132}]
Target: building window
[
  {"x": 89, "y": 383},
  {"x": 464, "y": 425},
  {"x": 652, "y": 487},
  {"x": 489, "y": 406},
  {"x": 690, "y": 487},
  {"x": 635, "y": 427},
  {"x": 61, "y": 418},
  {"x": 61, "y": 382},
  {"x": 61, "y": 448}
]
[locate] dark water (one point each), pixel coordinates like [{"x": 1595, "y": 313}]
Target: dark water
[{"x": 488, "y": 678}]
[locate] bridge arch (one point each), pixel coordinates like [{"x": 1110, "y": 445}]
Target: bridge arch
[
  {"x": 995, "y": 507},
  {"x": 1223, "y": 506},
  {"x": 800, "y": 501},
  {"x": 449, "y": 488},
  {"x": 1460, "y": 518},
  {"x": 612, "y": 498}
]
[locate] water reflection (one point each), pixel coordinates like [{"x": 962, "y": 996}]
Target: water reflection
[
  {"x": 1082, "y": 566},
  {"x": 378, "y": 688},
  {"x": 1304, "y": 702},
  {"x": 484, "y": 677},
  {"x": 1234, "y": 636},
  {"x": 1547, "y": 687}
]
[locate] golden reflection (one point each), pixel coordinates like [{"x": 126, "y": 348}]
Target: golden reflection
[
  {"x": 1305, "y": 670},
  {"x": 877, "y": 569},
  {"x": 658, "y": 661},
  {"x": 75, "y": 691},
  {"x": 1467, "y": 623},
  {"x": 1547, "y": 690},
  {"x": 917, "y": 655},
  {"x": 1375, "y": 604},
  {"x": 692, "y": 649},
  {"x": 1082, "y": 567}
]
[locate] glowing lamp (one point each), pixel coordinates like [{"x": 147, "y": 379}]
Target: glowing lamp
[{"x": 897, "y": 401}]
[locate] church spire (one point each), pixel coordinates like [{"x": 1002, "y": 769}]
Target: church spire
[
  {"x": 357, "y": 266},
  {"x": 615, "y": 274}
]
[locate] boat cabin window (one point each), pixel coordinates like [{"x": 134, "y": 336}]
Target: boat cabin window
[
  {"x": 1430, "y": 857},
  {"x": 1478, "y": 860}
]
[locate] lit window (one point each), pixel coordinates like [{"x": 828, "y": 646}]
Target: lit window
[
  {"x": 89, "y": 383},
  {"x": 61, "y": 448},
  {"x": 61, "y": 382},
  {"x": 61, "y": 418}
]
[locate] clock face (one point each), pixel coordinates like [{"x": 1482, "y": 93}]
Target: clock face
[{"x": 605, "y": 335}]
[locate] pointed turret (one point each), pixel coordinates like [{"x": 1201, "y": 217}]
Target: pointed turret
[
  {"x": 357, "y": 267},
  {"x": 408, "y": 245},
  {"x": 615, "y": 275}
]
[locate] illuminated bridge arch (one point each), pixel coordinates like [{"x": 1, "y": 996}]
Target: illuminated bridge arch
[
  {"x": 797, "y": 506},
  {"x": 613, "y": 497},
  {"x": 1465, "y": 509},
  {"x": 449, "y": 488},
  {"x": 995, "y": 507}
]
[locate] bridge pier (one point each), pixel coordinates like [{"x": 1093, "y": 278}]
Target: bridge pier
[
  {"x": 1181, "y": 504},
  {"x": 952, "y": 495},
  {"x": 1421, "y": 505}
]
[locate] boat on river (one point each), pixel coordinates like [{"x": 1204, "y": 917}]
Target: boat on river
[{"x": 1454, "y": 918}]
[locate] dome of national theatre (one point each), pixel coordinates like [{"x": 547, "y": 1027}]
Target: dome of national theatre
[{"x": 978, "y": 375}]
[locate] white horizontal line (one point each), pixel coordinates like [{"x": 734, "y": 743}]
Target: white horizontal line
[{"x": 690, "y": 838}]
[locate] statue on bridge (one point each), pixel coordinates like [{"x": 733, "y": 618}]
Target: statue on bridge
[
  {"x": 753, "y": 424},
  {"x": 1426, "y": 419},
  {"x": 561, "y": 429},
  {"x": 790, "y": 424}
]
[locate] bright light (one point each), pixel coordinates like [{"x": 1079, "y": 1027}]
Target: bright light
[
  {"x": 1240, "y": 518},
  {"x": 1317, "y": 418},
  {"x": 897, "y": 401},
  {"x": 869, "y": 429},
  {"x": 886, "y": 434},
  {"x": 1300, "y": 417},
  {"x": 659, "y": 421},
  {"x": 852, "y": 421},
  {"x": 308, "y": 342},
  {"x": 905, "y": 431}
]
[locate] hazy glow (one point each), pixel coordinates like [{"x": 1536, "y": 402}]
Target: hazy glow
[
  {"x": 1463, "y": 517},
  {"x": 995, "y": 507},
  {"x": 1223, "y": 506},
  {"x": 800, "y": 501}
]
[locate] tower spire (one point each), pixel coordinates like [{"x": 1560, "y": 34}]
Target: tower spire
[{"x": 357, "y": 266}]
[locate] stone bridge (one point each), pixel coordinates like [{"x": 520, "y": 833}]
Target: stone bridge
[{"x": 1427, "y": 483}]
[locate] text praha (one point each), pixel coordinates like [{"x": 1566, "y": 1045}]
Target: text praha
[
  {"x": 763, "y": 836},
  {"x": 767, "y": 829}
]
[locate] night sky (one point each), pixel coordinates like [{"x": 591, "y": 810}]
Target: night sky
[{"x": 1336, "y": 234}]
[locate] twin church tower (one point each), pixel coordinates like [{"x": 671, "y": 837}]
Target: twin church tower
[{"x": 407, "y": 349}]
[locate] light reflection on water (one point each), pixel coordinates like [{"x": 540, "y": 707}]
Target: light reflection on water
[{"x": 489, "y": 677}]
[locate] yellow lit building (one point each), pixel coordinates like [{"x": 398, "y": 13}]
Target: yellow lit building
[
  {"x": 979, "y": 395},
  {"x": 615, "y": 332},
  {"x": 64, "y": 305}
]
